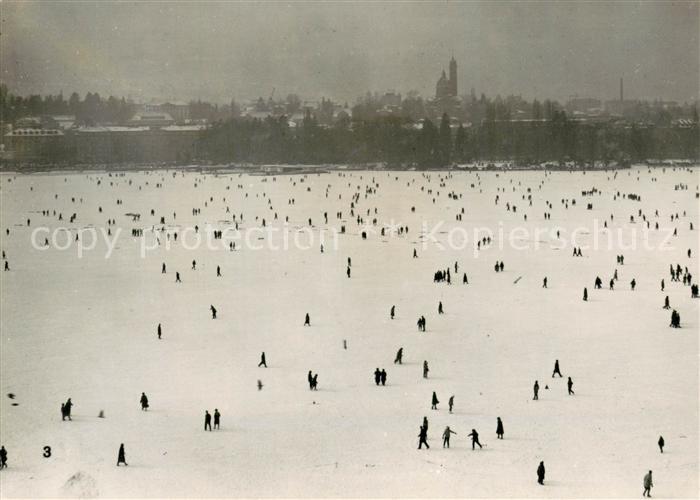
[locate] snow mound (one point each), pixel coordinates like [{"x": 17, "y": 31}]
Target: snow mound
[{"x": 80, "y": 485}]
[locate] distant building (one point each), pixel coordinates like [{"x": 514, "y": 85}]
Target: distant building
[
  {"x": 172, "y": 143},
  {"x": 36, "y": 145},
  {"x": 154, "y": 119},
  {"x": 447, "y": 87},
  {"x": 583, "y": 104}
]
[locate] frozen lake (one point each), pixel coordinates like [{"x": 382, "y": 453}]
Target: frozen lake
[{"x": 81, "y": 323}]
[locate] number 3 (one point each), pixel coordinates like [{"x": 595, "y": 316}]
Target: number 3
[{"x": 47, "y": 451}]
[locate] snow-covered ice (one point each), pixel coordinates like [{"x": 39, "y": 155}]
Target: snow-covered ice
[{"x": 85, "y": 328}]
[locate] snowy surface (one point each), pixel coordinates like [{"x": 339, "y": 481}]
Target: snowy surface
[{"x": 85, "y": 328}]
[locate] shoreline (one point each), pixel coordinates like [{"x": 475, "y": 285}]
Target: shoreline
[{"x": 288, "y": 169}]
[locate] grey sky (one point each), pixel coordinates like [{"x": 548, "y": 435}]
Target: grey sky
[{"x": 215, "y": 51}]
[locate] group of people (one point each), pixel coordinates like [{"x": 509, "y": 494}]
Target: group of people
[
  {"x": 66, "y": 410},
  {"x": 380, "y": 376},
  {"x": 313, "y": 381},
  {"x": 207, "y": 419}
]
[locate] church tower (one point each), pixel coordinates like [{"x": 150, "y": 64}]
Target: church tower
[
  {"x": 442, "y": 89},
  {"x": 453, "y": 78}
]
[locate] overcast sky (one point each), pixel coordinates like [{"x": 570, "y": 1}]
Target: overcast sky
[{"x": 217, "y": 51}]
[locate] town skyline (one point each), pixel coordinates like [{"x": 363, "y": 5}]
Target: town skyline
[{"x": 342, "y": 51}]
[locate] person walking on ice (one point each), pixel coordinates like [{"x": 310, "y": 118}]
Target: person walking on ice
[
  {"x": 440, "y": 309},
  {"x": 446, "y": 437},
  {"x": 536, "y": 390},
  {"x": 392, "y": 312},
  {"x": 499, "y": 428},
  {"x": 540, "y": 473},
  {"x": 218, "y": 271},
  {"x": 177, "y": 277},
  {"x": 121, "y": 456},
  {"x": 556, "y": 369},
  {"x": 423, "y": 437},
  {"x": 217, "y": 418},
  {"x": 648, "y": 484},
  {"x": 307, "y": 320},
  {"x": 425, "y": 369},
  {"x": 399, "y": 356},
  {"x": 475, "y": 439},
  {"x": 451, "y": 402},
  {"x": 144, "y": 402},
  {"x": 213, "y": 312},
  {"x": 435, "y": 402},
  {"x": 3, "y": 458},
  {"x": 262, "y": 360},
  {"x": 661, "y": 443},
  {"x": 207, "y": 420},
  {"x": 160, "y": 331}
]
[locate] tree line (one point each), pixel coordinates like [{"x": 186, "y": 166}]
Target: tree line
[{"x": 400, "y": 141}]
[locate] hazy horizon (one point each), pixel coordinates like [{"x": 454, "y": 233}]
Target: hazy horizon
[{"x": 219, "y": 51}]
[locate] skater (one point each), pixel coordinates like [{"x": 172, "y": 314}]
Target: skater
[
  {"x": 392, "y": 312},
  {"x": 663, "y": 285},
  {"x": 377, "y": 376},
  {"x": 435, "y": 402},
  {"x": 633, "y": 283},
  {"x": 440, "y": 310},
  {"x": 121, "y": 456},
  {"x": 536, "y": 389},
  {"x": 314, "y": 382},
  {"x": 162, "y": 269},
  {"x": 382, "y": 377},
  {"x": 217, "y": 418},
  {"x": 177, "y": 277},
  {"x": 423, "y": 437},
  {"x": 475, "y": 438},
  {"x": 585, "y": 294},
  {"x": 66, "y": 409},
  {"x": 451, "y": 402},
  {"x": 213, "y": 312},
  {"x": 675, "y": 319},
  {"x": 262, "y": 360},
  {"x": 194, "y": 265},
  {"x": 540, "y": 473},
  {"x": 160, "y": 331},
  {"x": 556, "y": 369},
  {"x": 207, "y": 420},
  {"x": 218, "y": 271},
  {"x": 425, "y": 369},
  {"x": 569, "y": 385},
  {"x": 399, "y": 356},
  {"x": 144, "y": 402},
  {"x": 307, "y": 320},
  {"x": 465, "y": 281},
  {"x": 499, "y": 428},
  {"x": 661, "y": 443},
  {"x": 544, "y": 282},
  {"x": 647, "y": 485},
  {"x": 667, "y": 303},
  {"x": 3, "y": 458},
  {"x": 446, "y": 437}
]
